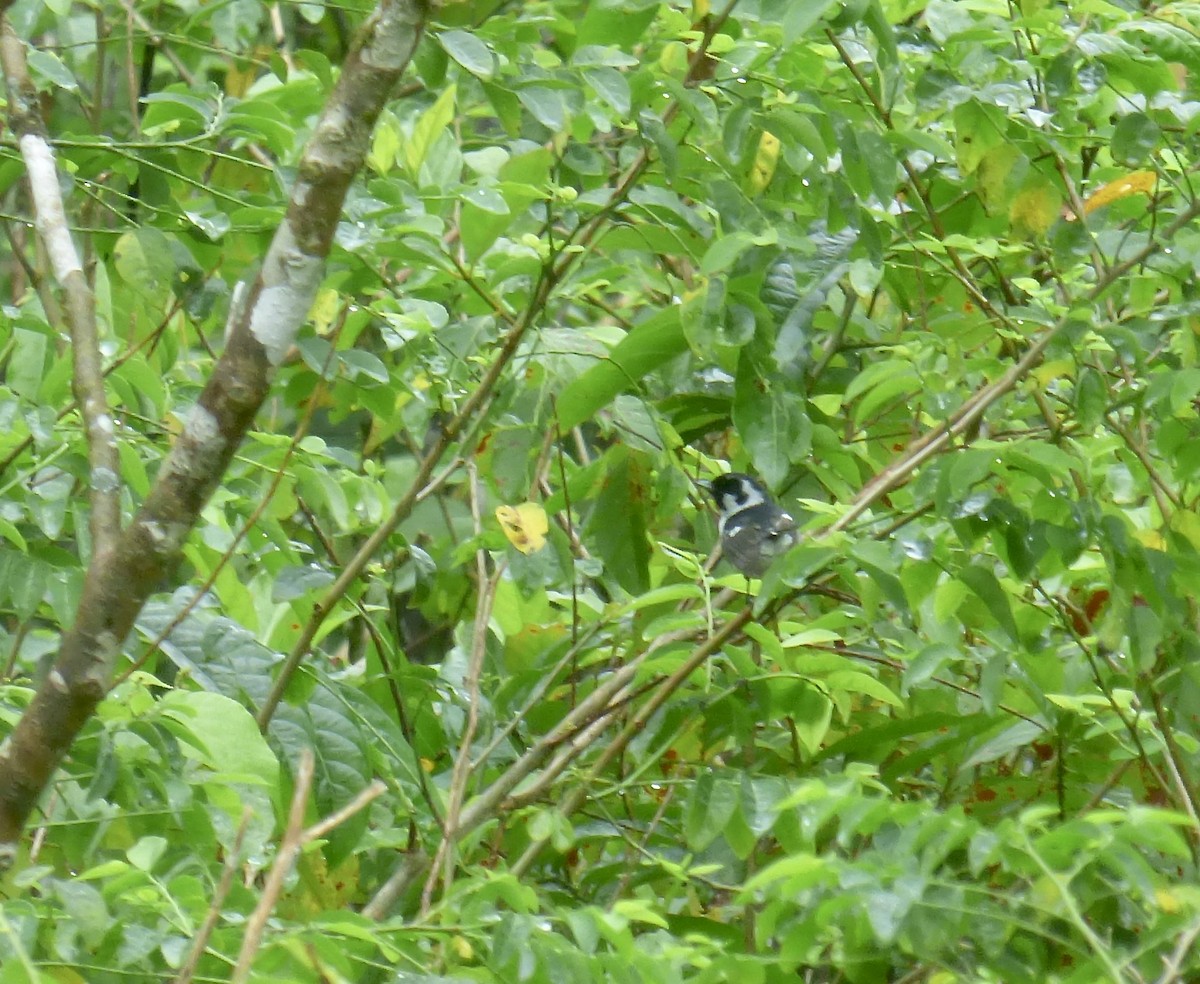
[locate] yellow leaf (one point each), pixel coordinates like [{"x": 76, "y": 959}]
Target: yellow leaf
[
  {"x": 1187, "y": 524},
  {"x": 1135, "y": 183},
  {"x": 1150, "y": 538},
  {"x": 1034, "y": 208},
  {"x": 764, "y": 162},
  {"x": 1167, "y": 900},
  {"x": 244, "y": 74},
  {"x": 324, "y": 310},
  {"x": 1049, "y": 371},
  {"x": 524, "y": 525},
  {"x": 994, "y": 176}
]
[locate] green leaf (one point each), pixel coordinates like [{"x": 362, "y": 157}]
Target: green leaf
[
  {"x": 711, "y": 804},
  {"x": 987, "y": 588},
  {"x": 144, "y": 855},
  {"x": 799, "y": 17},
  {"x": 760, "y": 801},
  {"x": 811, "y": 717},
  {"x": 223, "y": 735},
  {"x": 45, "y": 67},
  {"x": 296, "y": 582},
  {"x": 724, "y": 252},
  {"x": 145, "y": 260},
  {"x": 27, "y": 363},
  {"x": 861, "y": 683},
  {"x": 771, "y": 421},
  {"x": 1004, "y": 742},
  {"x": 363, "y": 366},
  {"x": 616, "y": 525},
  {"x": 470, "y": 52},
  {"x": 611, "y": 86},
  {"x": 546, "y": 105},
  {"x": 1135, "y": 138},
  {"x": 431, "y": 125},
  {"x": 647, "y": 346}
]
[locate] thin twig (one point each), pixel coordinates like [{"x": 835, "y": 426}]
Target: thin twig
[
  {"x": 289, "y": 848},
  {"x": 637, "y": 723},
  {"x": 597, "y": 704},
  {"x": 487, "y": 586},
  {"x": 1100, "y": 949},
  {"x": 295, "y": 837},
  {"x": 228, "y": 870},
  {"x": 338, "y": 817},
  {"x": 475, "y": 403},
  {"x": 1174, "y": 962},
  {"x": 938, "y": 439},
  {"x": 1175, "y": 765},
  {"x": 256, "y": 514}
]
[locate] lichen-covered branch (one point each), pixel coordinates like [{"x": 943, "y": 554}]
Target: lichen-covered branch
[
  {"x": 50, "y": 216},
  {"x": 261, "y": 328}
]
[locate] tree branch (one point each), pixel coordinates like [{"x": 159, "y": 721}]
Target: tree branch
[
  {"x": 261, "y": 328},
  {"x": 104, "y": 483},
  {"x": 936, "y": 440}
]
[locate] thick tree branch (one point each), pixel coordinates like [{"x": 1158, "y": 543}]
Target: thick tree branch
[
  {"x": 261, "y": 328},
  {"x": 104, "y": 480}
]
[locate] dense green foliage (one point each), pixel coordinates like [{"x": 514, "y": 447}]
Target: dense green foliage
[{"x": 928, "y": 269}]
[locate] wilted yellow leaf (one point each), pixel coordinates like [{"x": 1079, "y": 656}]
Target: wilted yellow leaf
[
  {"x": 524, "y": 525},
  {"x": 1135, "y": 183}
]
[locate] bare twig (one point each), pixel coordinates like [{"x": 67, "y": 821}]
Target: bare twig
[
  {"x": 338, "y": 817},
  {"x": 228, "y": 870},
  {"x": 595, "y": 706},
  {"x": 1175, "y": 758},
  {"x": 462, "y": 764},
  {"x": 637, "y": 723},
  {"x": 1102, "y": 951},
  {"x": 295, "y": 837},
  {"x": 285, "y": 857},
  {"x": 1174, "y": 962}
]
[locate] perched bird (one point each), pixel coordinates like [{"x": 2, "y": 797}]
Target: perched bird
[{"x": 754, "y": 529}]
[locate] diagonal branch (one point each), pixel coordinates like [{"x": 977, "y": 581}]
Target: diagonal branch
[
  {"x": 568, "y": 739},
  {"x": 261, "y": 328},
  {"x": 939, "y": 438},
  {"x": 104, "y": 480}
]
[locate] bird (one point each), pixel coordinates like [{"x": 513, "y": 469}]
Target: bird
[{"x": 754, "y": 529}]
